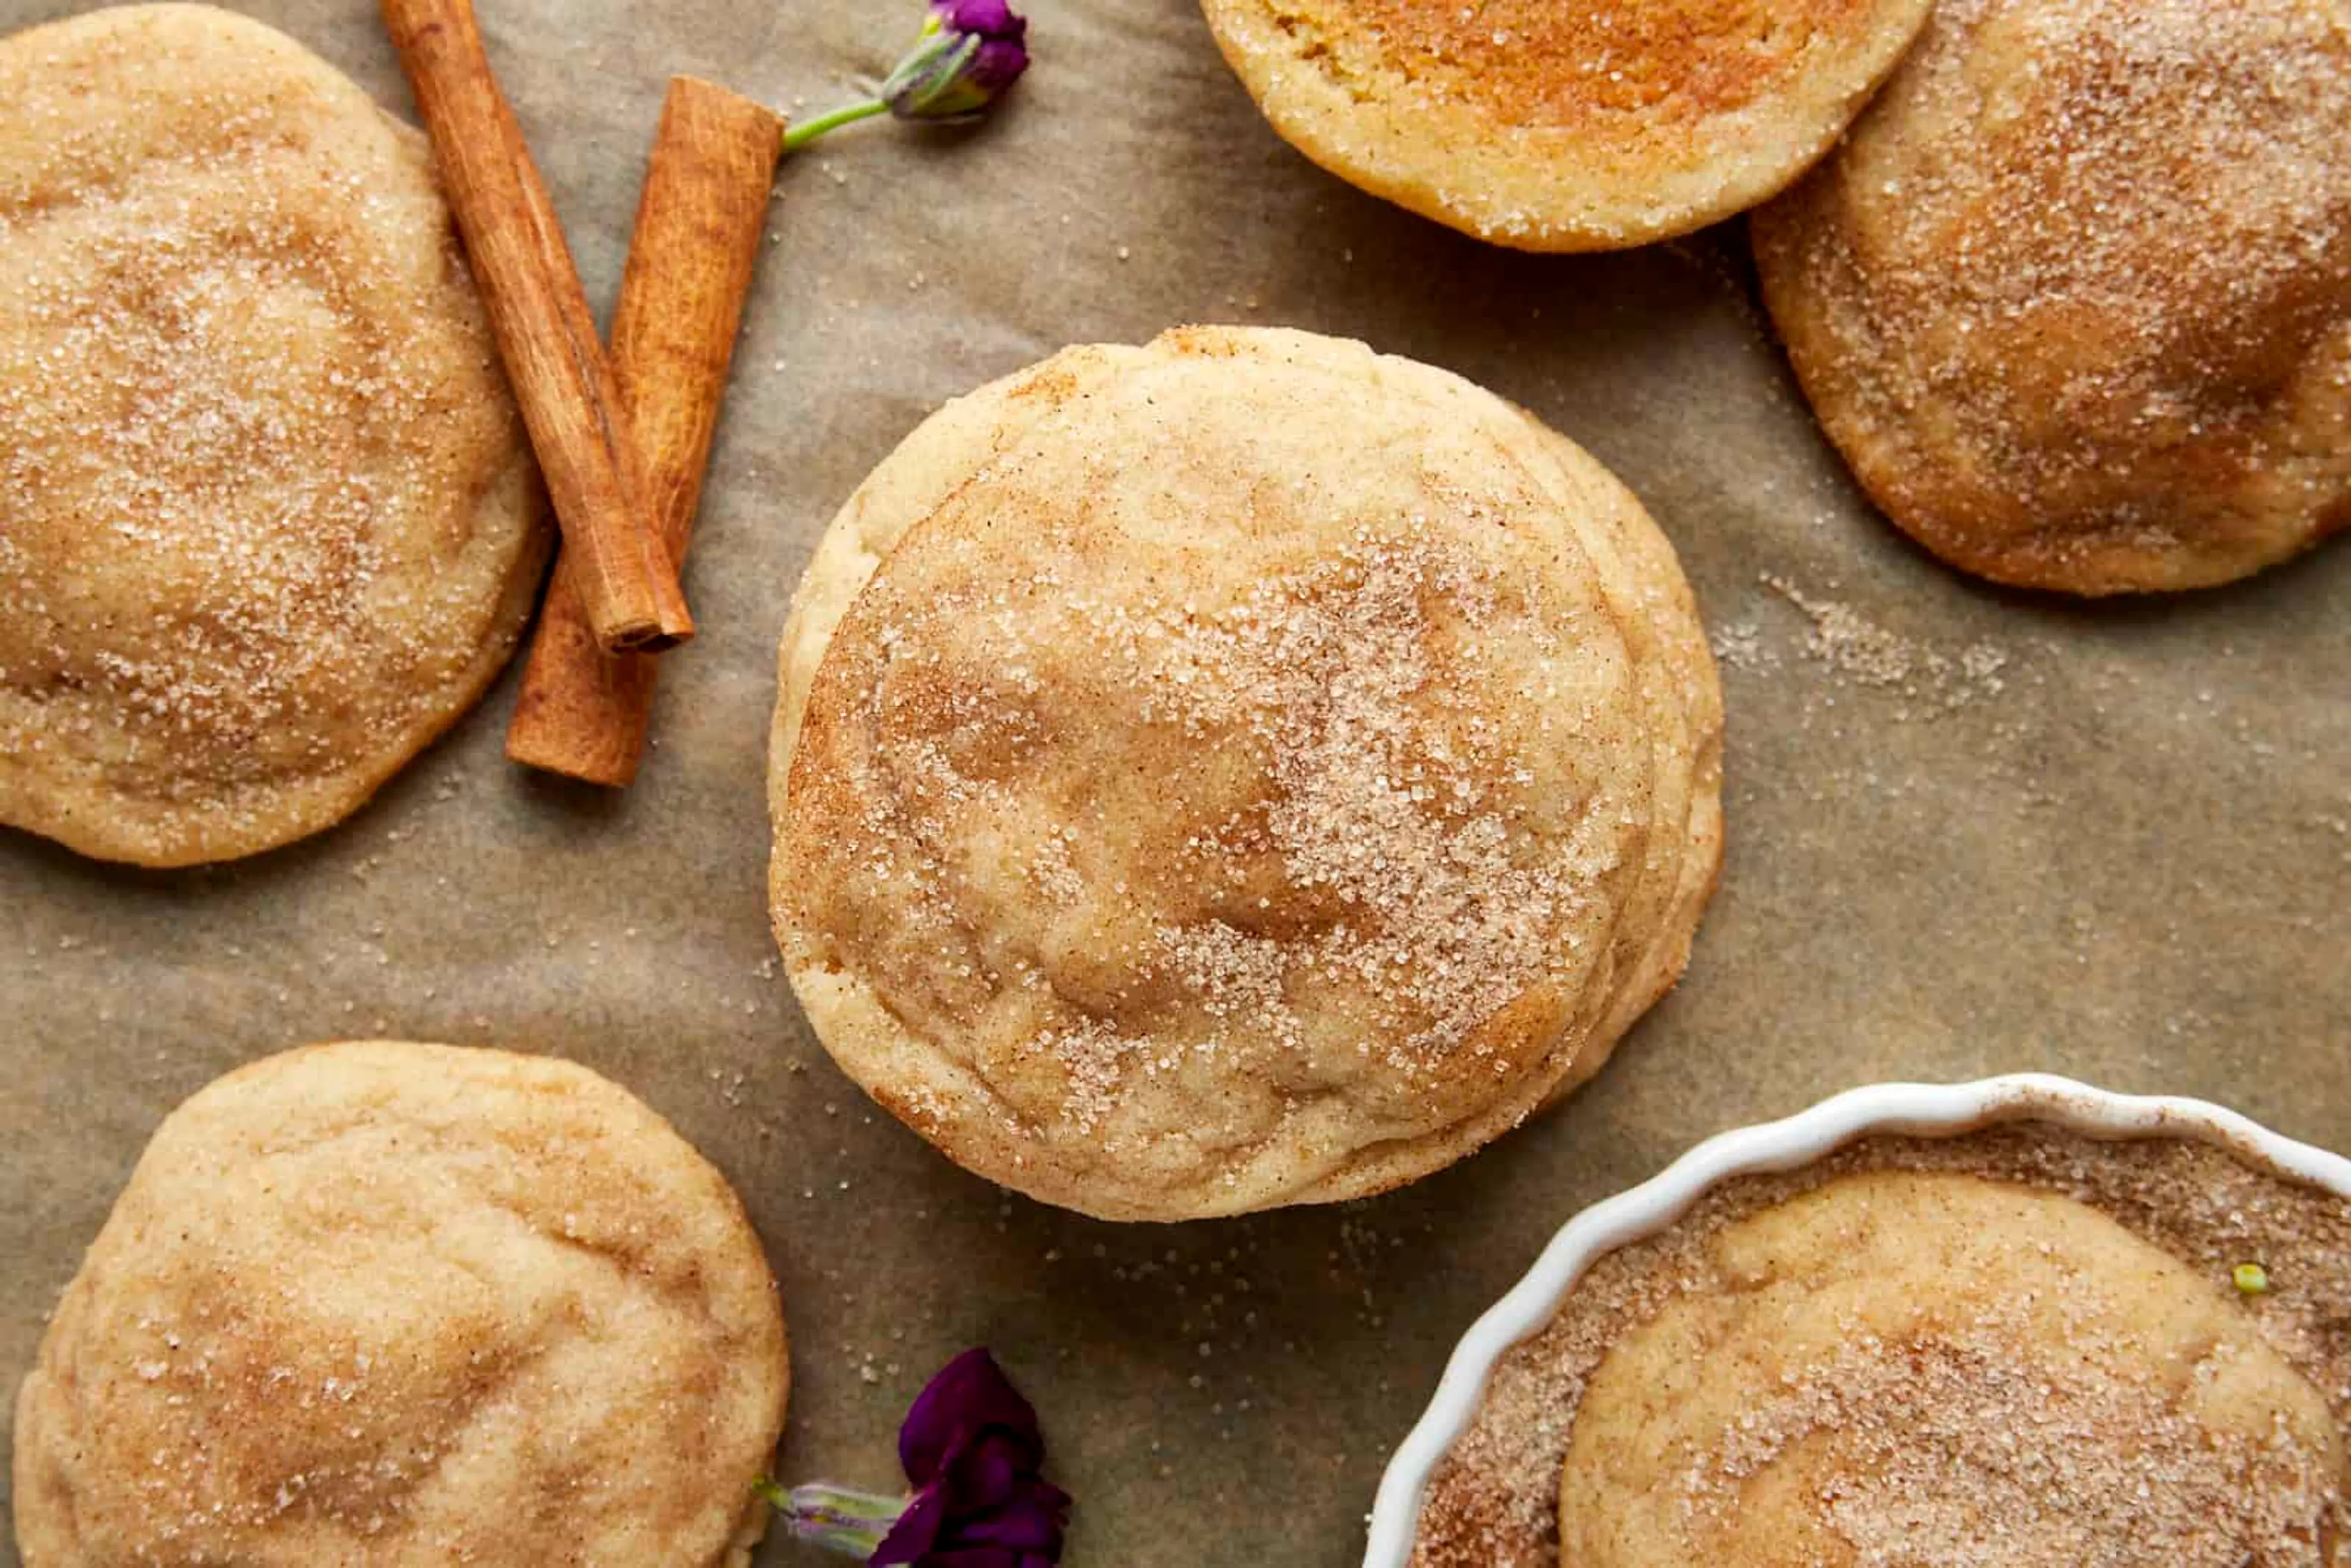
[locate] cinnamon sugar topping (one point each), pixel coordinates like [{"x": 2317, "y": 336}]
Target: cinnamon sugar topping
[
  {"x": 1387, "y": 820},
  {"x": 1954, "y": 1454}
]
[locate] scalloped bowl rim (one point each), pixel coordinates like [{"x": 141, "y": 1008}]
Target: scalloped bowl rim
[{"x": 1918, "y": 1110}]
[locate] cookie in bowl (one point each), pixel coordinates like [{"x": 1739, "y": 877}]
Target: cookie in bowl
[
  {"x": 1242, "y": 770},
  {"x": 268, "y": 520},
  {"x": 2073, "y": 299},
  {"x": 394, "y": 1305},
  {"x": 2024, "y": 1344},
  {"x": 1553, "y": 126}
]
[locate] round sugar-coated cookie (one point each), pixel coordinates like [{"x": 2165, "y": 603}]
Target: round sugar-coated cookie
[
  {"x": 268, "y": 521},
  {"x": 2030, "y": 1344},
  {"x": 1906, "y": 1366},
  {"x": 1241, "y": 770},
  {"x": 2075, "y": 297},
  {"x": 1553, "y": 126},
  {"x": 403, "y": 1306}
]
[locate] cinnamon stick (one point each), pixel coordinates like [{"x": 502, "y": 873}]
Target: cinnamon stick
[
  {"x": 584, "y": 713},
  {"x": 626, "y": 582}
]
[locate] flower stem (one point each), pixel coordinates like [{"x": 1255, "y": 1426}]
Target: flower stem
[
  {"x": 807, "y": 131},
  {"x": 850, "y": 1523}
]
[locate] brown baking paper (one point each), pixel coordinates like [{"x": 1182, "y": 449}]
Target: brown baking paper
[{"x": 1970, "y": 830}]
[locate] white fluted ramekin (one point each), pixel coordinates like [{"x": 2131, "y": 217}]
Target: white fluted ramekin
[{"x": 1918, "y": 1110}]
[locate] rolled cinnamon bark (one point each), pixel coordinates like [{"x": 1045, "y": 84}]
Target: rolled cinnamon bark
[
  {"x": 626, "y": 582},
  {"x": 584, "y": 713}
]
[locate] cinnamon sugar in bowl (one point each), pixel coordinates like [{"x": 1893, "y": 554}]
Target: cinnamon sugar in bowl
[{"x": 2015, "y": 1322}]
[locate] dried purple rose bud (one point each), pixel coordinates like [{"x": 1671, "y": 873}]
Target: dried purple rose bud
[
  {"x": 972, "y": 1449},
  {"x": 969, "y": 54}
]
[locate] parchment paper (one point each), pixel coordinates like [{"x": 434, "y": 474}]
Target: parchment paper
[{"x": 1970, "y": 831}]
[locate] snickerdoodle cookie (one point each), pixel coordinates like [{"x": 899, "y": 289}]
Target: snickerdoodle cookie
[
  {"x": 2074, "y": 296},
  {"x": 2023, "y": 1346},
  {"x": 1242, "y": 770},
  {"x": 403, "y": 1306},
  {"x": 1558, "y": 127},
  {"x": 268, "y": 522}
]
